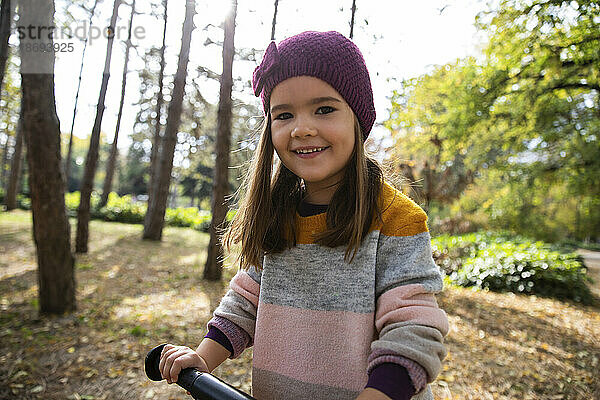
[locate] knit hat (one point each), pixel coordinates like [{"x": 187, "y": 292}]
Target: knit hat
[{"x": 329, "y": 56}]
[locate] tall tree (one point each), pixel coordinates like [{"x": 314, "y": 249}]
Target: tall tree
[
  {"x": 68, "y": 159},
  {"x": 110, "y": 165},
  {"x": 15, "y": 168},
  {"x": 214, "y": 260},
  {"x": 51, "y": 230},
  {"x": 10, "y": 110},
  {"x": 427, "y": 116},
  {"x": 6, "y": 13},
  {"x": 156, "y": 143},
  {"x": 522, "y": 122},
  {"x": 87, "y": 184},
  {"x": 274, "y": 20},
  {"x": 157, "y": 207},
  {"x": 4, "y": 161},
  {"x": 352, "y": 19}
]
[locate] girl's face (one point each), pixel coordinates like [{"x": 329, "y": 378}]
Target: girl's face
[{"x": 312, "y": 128}]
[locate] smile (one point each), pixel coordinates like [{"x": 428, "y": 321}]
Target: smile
[{"x": 308, "y": 151}]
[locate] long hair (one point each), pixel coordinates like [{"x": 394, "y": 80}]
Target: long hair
[{"x": 265, "y": 220}]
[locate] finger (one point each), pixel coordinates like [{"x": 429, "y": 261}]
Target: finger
[
  {"x": 176, "y": 368},
  {"x": 167, "y": 361},
  {"x": 175, "y": 364},
  {"x": 163, "y": 358}
]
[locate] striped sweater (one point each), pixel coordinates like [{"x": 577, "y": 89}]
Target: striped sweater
[{"x": 378, "y": 309}]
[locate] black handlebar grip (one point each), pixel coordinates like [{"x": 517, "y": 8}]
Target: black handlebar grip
[{"x": 201, "y": 385}]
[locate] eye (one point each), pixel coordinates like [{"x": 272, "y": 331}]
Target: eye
[
  {"x": 325, "y": 110},
  {"x": 284, "y": 115}
]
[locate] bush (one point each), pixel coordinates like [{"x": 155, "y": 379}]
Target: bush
[
  {"x": 121, "y": 209},
  {"x": 500, "y": 263},
  {"x": 72, "y": 203},
  {"x": 188, "y": 217},
  {"x": 23, "y": 202},
  {"x": 450, "y": 252},
  {"x": 124, "y": 209}
]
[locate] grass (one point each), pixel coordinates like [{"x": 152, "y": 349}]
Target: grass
[{"x": 134, "y": 294}]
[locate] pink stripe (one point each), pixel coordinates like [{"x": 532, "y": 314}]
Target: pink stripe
[
  {"x": 243, "y": 284},
  {"x": 314, "y": 346},
  {"x": 410, "y": 303}
]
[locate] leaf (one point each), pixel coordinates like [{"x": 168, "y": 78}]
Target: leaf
[{"x": 37, "y": 389}]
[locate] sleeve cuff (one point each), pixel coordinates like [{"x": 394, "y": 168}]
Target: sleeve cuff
[
  {"x": 215, "y": 334},
  {"x": 416, "y": 372},
  {"x": 238, "y": 338},
  {"x": 392, "y": 380}
]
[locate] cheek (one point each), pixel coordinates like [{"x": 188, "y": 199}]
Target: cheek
[{"x": 279, "y": 142}]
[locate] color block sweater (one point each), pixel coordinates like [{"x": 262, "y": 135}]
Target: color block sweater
[{"x": 319, "y": 325}]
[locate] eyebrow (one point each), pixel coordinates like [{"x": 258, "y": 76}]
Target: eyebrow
[{"x": 316, "y": 100}]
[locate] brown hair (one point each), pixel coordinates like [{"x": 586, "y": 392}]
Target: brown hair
[{"x": 264, "y": 222}]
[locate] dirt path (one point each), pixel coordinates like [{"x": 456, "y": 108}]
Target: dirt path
[{"x": 592, "y": 261}]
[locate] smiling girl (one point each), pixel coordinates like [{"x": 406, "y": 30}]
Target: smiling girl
[{"x": 336, "y": 288}]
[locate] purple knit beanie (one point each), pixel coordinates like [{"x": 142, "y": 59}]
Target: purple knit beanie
[{"x": 329, "y": 56}]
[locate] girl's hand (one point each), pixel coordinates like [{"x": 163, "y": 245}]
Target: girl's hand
[{"x": 175, "y": 358}]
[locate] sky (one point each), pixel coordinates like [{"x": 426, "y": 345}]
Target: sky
[{"x": 399, "y": 40}]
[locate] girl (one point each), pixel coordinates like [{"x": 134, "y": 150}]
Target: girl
[{"x": 337, "y": 281}]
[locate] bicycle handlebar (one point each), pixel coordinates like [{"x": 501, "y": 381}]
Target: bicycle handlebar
[{"x": 201, "y": 385}]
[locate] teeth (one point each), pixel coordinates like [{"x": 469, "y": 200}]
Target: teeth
[{"x": 309, "y": 150}]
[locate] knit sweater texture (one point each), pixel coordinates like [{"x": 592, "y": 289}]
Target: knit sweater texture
[{"x": 319, "y": 325}]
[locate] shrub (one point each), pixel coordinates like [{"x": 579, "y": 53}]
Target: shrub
[
  {"x": 125, "y": 209},
  {"x": 187, "y": 217},
  {"x": 72, "y": 203},
  {"x": 497, "y": 262},
  {"x": 121, "y": 209}
]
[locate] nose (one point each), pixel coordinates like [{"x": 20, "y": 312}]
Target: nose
[{"x": 303, "y": 128}]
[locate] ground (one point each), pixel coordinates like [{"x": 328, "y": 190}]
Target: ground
[{"x": 134, "y": 294}]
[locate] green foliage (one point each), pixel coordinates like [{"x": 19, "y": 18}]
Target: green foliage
[
  {"x": 502, "y": 262},
  {"x": 79, "y": 150},
  {"x": 188, "y": 217},
  {"x": 125, "y": 209},
  {"x": 23, "y": 202},
  {"x": 510, "y": 139},
  {"x": 138, "y": 331},
  {"x": 72, "y": 203},
  {"x": 122, "y": 209}
]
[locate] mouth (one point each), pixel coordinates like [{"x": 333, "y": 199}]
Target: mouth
[{"x": 310, "y": 150}]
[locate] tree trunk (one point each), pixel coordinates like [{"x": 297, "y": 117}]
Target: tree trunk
[
  {"x": 155, "y": 153},
  {"x": 6, "y": 13},
  {"x": 68, "y": 160},
  {"x": 274, "y": 21},
  {"x": 173, "y": 194},
  {"x": 3, "y": 163},
  {"x": 15, "y": 168},
  {"x": 110, "y": 166},
  {"x": 352, "y": 19},
  {"x": 51, "y": 230},
  {"x": 23, "y": 174},
  {"x": 214, "y": 260},
  {"x": 154, "y": 222},
  {"x": 87, "y": 183}
]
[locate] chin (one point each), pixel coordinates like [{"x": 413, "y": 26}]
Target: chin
[{"x": 311, "y": 178}]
